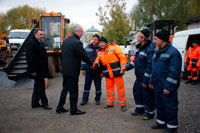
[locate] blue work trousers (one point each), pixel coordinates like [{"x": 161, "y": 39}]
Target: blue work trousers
[
  {"x": 88, "y": 81},
  {"x": 167, "y": 108},
  {"x": 144, "y": 99}
]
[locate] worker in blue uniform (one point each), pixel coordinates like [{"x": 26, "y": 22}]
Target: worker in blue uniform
[
  {"x": 91, "y": 74},
  {"x": 166, "y": 71},
  {"x": 143, "y": 95}
]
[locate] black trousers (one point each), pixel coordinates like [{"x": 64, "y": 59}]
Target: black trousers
[
  {"x": 70, "y": 83},
  {"x": 39, "y": 92}
]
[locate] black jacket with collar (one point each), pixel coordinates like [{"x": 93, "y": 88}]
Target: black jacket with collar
[
  {"x": 72, "y": 54},
  {"x": 37, "y": 58}
]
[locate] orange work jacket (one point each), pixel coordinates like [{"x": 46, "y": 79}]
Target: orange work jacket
[
  {"x": 112, "y": 60},
  {"x": 193, "y": 57}
]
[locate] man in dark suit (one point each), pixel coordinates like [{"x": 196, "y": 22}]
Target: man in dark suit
[
  {"x": 72, "y": 54},
  {"x": 37, "y": 60}
]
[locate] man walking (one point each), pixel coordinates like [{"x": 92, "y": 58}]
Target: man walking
[
  {"x": 72, "y": 54},
  {"x": 91, "y": 74},
  {"x": 37, "y": 61},
  {"x": 166, "y": 71}
]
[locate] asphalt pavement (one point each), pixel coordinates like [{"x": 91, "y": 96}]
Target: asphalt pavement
[{"x": 17, "y": 116}]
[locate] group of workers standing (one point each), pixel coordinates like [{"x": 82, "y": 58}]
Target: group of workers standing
[
  {"x": 157, "y": 80},
  {"x": 157, "y": 74}
]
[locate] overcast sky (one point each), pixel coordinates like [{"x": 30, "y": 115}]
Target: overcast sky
[{"x": 78, "y": 11}]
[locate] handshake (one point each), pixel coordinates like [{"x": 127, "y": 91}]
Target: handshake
[
  {"x": 123, "y": 70},
  {"x": 95, "y": 65}
]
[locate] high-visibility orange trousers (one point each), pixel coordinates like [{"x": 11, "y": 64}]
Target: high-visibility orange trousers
[
  {"x": 192, "y": 73},
  {"x": 119, "y": 83}
]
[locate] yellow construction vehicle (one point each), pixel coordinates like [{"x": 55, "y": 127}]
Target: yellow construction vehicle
[
  {"x": 4, "y": 50},
  {"x": 54, "y": 27}
]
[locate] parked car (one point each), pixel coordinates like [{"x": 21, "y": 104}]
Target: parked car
[
  {"x": 125, "y": 49},
  {"x": 132, "y": 50},
  {"x": 17, "y": 37}
]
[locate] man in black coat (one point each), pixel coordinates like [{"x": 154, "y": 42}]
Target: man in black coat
[
  {"x": 72, "y": 54},
  {"x": 37, "y": 60}
]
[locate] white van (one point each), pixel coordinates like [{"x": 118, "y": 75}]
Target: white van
[
  {"x": 17, "y": 37},
  {"x": 182, "y": 41},
  {"x": 125, "y": 49}
]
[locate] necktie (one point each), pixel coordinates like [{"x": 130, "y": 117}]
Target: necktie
[{"x": 41, "y": 43}]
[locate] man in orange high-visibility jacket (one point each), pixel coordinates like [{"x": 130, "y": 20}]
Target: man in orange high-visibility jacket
[
  {"x": 112, "y": 60},
  {"x": 192, "y": 60}
]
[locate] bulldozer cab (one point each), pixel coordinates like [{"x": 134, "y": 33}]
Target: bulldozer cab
[{"x": 53, "y": 25}]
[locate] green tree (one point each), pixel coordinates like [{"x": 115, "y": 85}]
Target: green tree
[
  {"x": 69, "y": 28},
  {"x": 115, "y": 21},
  {"x": 147, "y": 11},
  {"x": 3, "y": 24},
  {"x": 193, "y": 8},
  {"x": 21, "y": 17},
  {"x": 134, "y": 18}
]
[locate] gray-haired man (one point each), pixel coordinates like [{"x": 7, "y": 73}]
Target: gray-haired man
[{"x": 72, "y": 54}]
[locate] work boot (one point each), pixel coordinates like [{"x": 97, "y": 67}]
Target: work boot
[
  {"x": 47, "y": 107},
  {"x": 171, "y": 130},
  {"x": 123, "y": 108},
  {"x": 108, "y": 106},
  {"x": 97, "y": 103},
  {"x": 83, "y": 103},
  {"x": 137, "y": 113},
  {"x": 36, "y": 106},
  {"x": 194, "y": 82},
  {"x": 147, "y": 118},
  {"x": 189, "y": 81},
  {"x": 158, "y": 126}
]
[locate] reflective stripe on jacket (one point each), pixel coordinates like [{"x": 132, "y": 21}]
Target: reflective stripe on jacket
[
  {"x": 112, "y": 60},
  {"x": 166, "y": 69},
  {"x": 192, "y": 57},
  {"x": 143, "y": 62}
]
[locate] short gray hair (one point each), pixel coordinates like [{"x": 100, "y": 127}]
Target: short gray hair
[{"x": 76, "y": 27}]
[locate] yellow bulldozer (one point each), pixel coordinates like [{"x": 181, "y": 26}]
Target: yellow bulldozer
[
  {"x": 54, "y": 27},
  {"x": 4, "y": 51}
]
